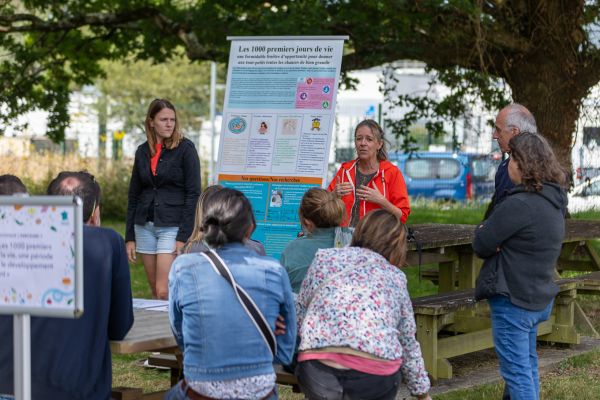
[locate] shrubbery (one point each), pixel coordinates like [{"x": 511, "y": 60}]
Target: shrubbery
[{"x": 38, "y": 170}]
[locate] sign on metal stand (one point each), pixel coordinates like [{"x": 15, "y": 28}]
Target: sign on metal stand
[
  {"x": 41, "y": 269},
  {"x": 278, "y": 118}
]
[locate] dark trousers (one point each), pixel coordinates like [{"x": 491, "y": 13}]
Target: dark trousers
[{"x": 321, "y": 382}]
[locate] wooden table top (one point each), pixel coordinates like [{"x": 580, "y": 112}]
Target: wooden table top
[
  {"x": 445, "y": 235},
  {"x": 151, "y": 331}
]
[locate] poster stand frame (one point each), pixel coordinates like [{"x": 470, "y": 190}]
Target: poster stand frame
[{"x": 22, "y": 315}]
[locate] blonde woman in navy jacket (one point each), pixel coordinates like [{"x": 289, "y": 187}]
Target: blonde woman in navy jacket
[{"x": 163, "y": 192}]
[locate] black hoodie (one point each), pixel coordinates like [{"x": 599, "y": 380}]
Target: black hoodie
[{"x": 520, "y": 243}]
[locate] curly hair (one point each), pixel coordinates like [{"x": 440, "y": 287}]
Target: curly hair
[{"x": 536, "y": 160}]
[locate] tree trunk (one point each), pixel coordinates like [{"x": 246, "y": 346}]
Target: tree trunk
[{"x": 553, "y": 98}]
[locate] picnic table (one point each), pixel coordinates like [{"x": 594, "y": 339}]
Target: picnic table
[
  {"x": 452, "y": 323},
  {"x": 151, "y": 332},
  {"x": 449, "y": 246},
  {"x": 449, "y": 323}
]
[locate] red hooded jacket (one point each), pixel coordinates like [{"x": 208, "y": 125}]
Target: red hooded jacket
[{"x": 388, "y": 180}]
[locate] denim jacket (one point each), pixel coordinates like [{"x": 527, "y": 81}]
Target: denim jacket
[{"x": 218, "y": 339}]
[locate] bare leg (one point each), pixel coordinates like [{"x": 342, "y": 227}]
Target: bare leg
[
  {"x": 163, "y": 266},
  {"x": 149, "y": 261}
]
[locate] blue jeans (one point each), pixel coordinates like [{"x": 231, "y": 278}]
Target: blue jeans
[
  {"x": 515, "y": 332},
  {"x": 176, "y": 393},
  {"x": 321, "y": 382}
]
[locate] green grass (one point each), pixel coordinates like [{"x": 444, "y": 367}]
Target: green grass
[
  {"x": 443, "y": 212},
  {"x": 575, "y": 378}
]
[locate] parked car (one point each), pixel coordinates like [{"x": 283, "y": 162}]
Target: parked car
[
  {"x": 585, "y": 196},
  {"x": 447, "y": 176}
]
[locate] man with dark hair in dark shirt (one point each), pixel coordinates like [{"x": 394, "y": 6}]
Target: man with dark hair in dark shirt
[
  {"x": 10, "y": 184},
  {"x": 70, "y": 358}
]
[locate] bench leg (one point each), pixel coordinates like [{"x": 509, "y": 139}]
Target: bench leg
[
  {"x": 563, "y": 330},
  {"x": 427, "y": 335}
]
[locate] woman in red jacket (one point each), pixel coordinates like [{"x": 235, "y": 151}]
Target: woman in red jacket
[{"x": 371, "y": 181}]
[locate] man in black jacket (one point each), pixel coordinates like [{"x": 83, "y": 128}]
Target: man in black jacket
[{"x": 510, "y": 121}]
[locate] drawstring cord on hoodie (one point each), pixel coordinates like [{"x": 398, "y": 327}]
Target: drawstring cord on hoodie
[{"x": 372, "y": 183}]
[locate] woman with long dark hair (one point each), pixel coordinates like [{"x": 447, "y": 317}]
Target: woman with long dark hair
[
  {"x": 226, "y": 353},
  {"x": 520, "y": 243}
]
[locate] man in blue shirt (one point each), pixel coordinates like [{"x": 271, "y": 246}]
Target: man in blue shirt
[
  {"x": 70, "y": 358},
  {"x": 510, "y": 121}
]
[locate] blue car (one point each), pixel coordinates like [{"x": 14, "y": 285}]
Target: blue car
[{"x": 447, "y": 176}]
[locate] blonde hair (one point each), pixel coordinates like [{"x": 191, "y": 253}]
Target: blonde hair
[
  {"x": 384, "y": 233},
  {"x": 154, "y": 108},
  {"x": 322, "y": 208},
  {"x": 198, "y": 233}
]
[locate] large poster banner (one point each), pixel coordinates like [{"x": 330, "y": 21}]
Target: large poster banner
[{"x": 277, "y": 126}]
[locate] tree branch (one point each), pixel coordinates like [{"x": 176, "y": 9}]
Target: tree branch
[
  {"x": 195, "y": 50},
  {"x": 10, "y": 23}
]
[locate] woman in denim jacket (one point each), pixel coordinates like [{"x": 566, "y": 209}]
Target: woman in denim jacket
[{"x": 224, "y": 354}]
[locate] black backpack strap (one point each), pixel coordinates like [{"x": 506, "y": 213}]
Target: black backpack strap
[
  {"x": 245, "y": 300},
  {"x": 410, "y": 237}
]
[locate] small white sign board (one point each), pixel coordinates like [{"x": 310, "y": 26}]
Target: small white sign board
[{"x": 41, "y": 256}]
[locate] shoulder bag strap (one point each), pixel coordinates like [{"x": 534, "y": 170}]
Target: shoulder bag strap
[{"x": 245, "y": 300}]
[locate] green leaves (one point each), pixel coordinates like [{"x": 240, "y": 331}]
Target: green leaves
[{"x": 452, "y": 94}]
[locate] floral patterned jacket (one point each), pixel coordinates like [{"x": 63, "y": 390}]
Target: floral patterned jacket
[{"x": 367, "y": 308}]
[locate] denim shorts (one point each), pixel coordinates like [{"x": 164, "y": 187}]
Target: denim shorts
[{"x": 150, "y": 239}]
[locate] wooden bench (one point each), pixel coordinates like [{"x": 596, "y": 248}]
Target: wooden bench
[
  {"x": 171, "y": 361},
  {"x": 286, "y": 378},
  {"x": 452, "y": 324},
  {"x": 175, "y": 364}
]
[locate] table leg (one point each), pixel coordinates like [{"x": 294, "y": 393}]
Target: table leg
[
  {"x": 447, "y": 276},
  {"x": 468, "y": 268},
  {"x": 594, "y": 257}
]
